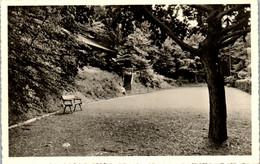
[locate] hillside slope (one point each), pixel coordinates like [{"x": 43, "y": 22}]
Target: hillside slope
[{"x": 90, "y": 84}]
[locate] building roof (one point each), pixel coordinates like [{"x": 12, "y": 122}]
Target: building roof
[
  {"x": 88, "y": 40},
  {"x": 91, "y": 42}
]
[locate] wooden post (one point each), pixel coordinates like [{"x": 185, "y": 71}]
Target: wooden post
[{"x": 230, "y": 65}]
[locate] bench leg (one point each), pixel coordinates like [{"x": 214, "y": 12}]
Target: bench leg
[
  {"x": 78, "y": 105},
  {"x": 65, "y": 109},
  {"x": 70, "y": 110}
]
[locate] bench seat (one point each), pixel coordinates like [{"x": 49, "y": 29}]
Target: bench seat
[{"x": 70, "y": 101}]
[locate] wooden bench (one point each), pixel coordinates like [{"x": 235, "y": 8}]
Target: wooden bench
[{"x": 70, "y": 101}]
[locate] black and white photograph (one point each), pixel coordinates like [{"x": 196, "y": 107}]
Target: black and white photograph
[{"x": 160, "y": 82}]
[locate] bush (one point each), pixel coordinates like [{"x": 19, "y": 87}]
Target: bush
[
  {"x": 230, "y": 81},
  {"x": 244, "y": 85},
  {"x": 151, "y": 79}
]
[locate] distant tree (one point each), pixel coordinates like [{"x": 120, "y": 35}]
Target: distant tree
[
  {"x": 166, "y": 62},
  {"x": 137, "y": 52}
]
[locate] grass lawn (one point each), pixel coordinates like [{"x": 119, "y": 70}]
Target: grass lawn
[{"x": 168, "y": 123}]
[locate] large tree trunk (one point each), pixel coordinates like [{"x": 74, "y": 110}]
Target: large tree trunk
[{"x": 215, "y": 81}]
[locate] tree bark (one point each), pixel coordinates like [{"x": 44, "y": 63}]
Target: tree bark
[{"x": 215, "y": 81}]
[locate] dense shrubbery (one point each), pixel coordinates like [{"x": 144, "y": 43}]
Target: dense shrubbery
[{"x": 37, "y": 61}]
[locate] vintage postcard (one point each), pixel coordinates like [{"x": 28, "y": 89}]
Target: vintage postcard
[{"x": 92, "y": 82}]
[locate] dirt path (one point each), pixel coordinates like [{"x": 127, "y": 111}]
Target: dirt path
[{"x": 170, "y": 122}]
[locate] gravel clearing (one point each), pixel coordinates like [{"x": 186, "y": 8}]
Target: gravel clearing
[{"x": 168, "y": 123}]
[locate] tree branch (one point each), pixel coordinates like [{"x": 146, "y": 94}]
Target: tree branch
[
  {"x": 230, "y": 10},
  {"x": 202, "y": 7},
  {"x": 229, "y": 28},
  {"x": 230, "y": 41},
  {"x": 182, "y": 44},
  {"x": 232, "y": 34}
]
